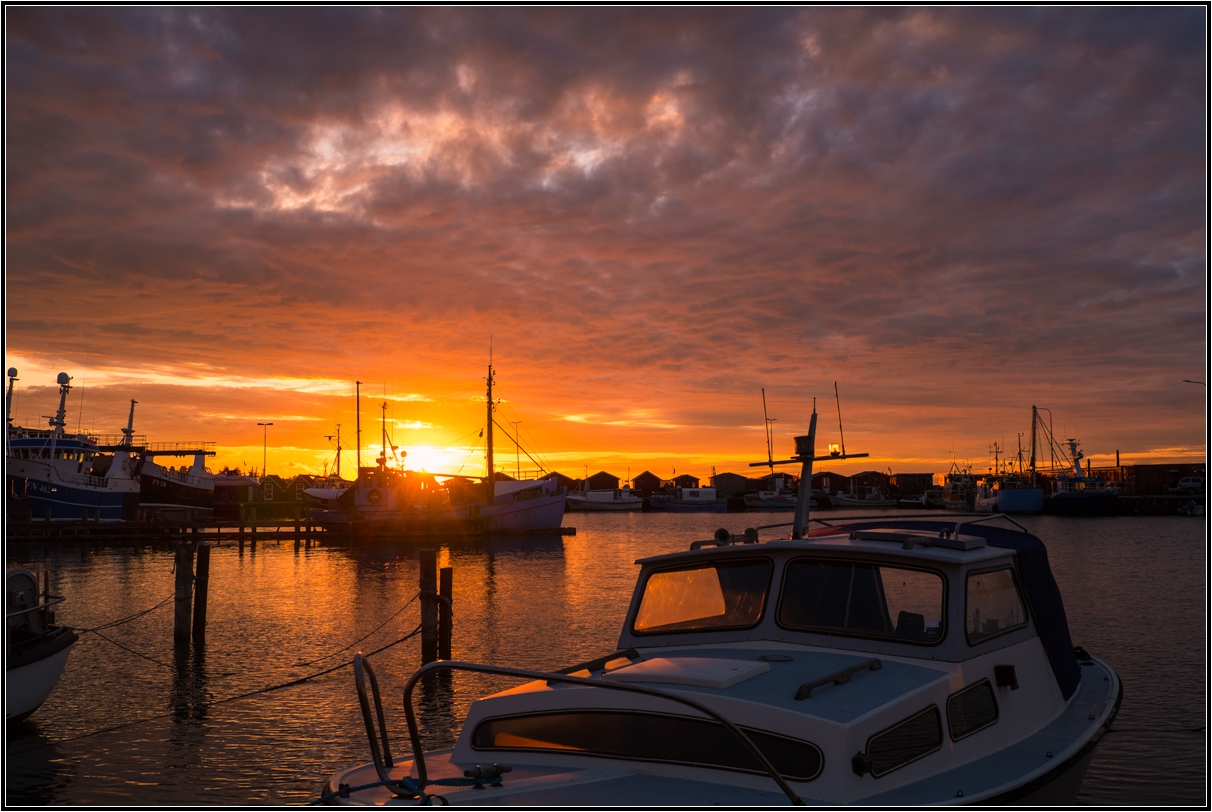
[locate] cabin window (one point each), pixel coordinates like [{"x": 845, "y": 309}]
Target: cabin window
[
  {"x": 863, "y": 599},
  {"x": 972, "y": 709},
  {"x": 649, "y": 737},
  {"x": 905, "y": 742},
  {"x": 722, "y": 595},
  {"x": 994, "y": 605},
  {"x": 269, "y": 491}
]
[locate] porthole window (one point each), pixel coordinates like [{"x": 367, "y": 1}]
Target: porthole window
[
  {"x": 972, "y": 709},
  {"x": 994, "y": 605},
  {"x": 903, "y": 743}
]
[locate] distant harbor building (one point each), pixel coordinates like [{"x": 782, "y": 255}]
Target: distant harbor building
[
  {"x": 602, "y": 481},
  {"x": 646, "y": 484},
  {"x": 729, "y": 484},
  {"x": 685, "y": 481},
  {"x": 829, "y": 482},
  {"x": 564, "y": 481},
  {"x": 912, "y": 484}
]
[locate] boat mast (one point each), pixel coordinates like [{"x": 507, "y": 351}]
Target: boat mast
[
  {"x": 128, "y": 433},
  {"x": 358, "y": 411},
  {"x": 769, "y": 438},
  {"x": 491, "y": 488},
  {"x": 60, "y": 419},
  {"x": 841, "y": 437},
  {"x": 8, "y": 399},
  {"x": 7, "y": 409},
  {"x": 338, "y": 451},
  {"x": 1034, "y": 420}
]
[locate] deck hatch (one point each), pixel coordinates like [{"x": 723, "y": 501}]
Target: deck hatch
[
  {"x": 641, "y": 736},
  {"x": 971, "y": 709}
]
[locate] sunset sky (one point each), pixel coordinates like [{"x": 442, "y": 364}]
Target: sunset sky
[{"x": 232, "y": 214}]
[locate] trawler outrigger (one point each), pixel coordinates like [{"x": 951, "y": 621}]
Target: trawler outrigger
[{"x": 877, "y": 662}]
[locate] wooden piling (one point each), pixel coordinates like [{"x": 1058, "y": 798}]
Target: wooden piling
[
  {"x": 201, "y": 583},
  {"x": 429, "y": 611},
  {"x": 184, "y": 591},
  {"x": 445, "y": 613},
  {"x": 298, "y": 529}
]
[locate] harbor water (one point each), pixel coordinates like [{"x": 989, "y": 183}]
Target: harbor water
[{"x": 136, "y": 722}]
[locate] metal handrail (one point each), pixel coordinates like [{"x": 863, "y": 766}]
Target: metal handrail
[
  {"x": 839, "y": 677},
  {"x": 452, "y": 665},
  {"x": 51, "y": 601}
]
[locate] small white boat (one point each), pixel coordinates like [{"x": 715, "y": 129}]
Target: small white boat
[
  {"x": 887, "y": 662},
  {"x": 35, "y": 648},
  {"x": 614, "y": 499}
]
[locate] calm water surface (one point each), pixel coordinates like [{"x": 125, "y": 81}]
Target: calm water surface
[{"x": 1135, "y": 590}]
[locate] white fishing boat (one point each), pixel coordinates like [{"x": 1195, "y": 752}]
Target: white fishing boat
[
  {"x": 615, "y": 499},
  {"x": 64, "y": 476},
  {"x": 886, "y": 662},
  {"x": 36, "y": 648}
]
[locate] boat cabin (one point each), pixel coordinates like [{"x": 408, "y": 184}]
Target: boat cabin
[{"x": 863, "y": 661}]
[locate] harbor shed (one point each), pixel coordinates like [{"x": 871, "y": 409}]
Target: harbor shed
[
  {"x": 646, "y": 484},
  {"x": 685, "y": 481},
  {"x": 912, "y": 484},
  {"x": 729, "y": 484},
  {"x": 830, "y": 482},
  {"x": 602, "y": 481}
]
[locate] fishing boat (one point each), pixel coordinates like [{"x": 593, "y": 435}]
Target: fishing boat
[
  {"x": 389, "y": 499},
  {"x": 1008, "y": 494},
  {"x": 1076, "y": 493},
  {"x": 870, "y": 499},
  {"x": 688, "y": 500},
  {"x": 36, "y": 649},
  {"x": 63, "y": 476},
  {"x": 612, "y": 500},
  {"x": 930, "y": 500},
  {"x": 881, "y": 662}
]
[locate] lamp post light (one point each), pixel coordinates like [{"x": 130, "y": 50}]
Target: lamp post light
[{"x": 264, "y": 446}]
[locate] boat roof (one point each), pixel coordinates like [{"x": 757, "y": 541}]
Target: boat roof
[{"x": 1029, "y": 552}]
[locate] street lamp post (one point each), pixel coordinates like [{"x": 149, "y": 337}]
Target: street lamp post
[{"x": 264, "y": 446}]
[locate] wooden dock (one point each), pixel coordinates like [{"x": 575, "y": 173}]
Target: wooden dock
[{"x": 251, "y": 532}]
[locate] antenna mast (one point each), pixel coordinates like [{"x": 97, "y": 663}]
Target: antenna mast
[
  {"x": 769, "y": 437},
  {"x": 841, "y": 436},
  {"x": 492, "y": 488},
  {"x": 358, "y": 411}
]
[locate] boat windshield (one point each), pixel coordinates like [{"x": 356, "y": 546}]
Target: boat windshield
[
  {"x": 718, "y": 595},
  {"x": 863, "y": 599}
]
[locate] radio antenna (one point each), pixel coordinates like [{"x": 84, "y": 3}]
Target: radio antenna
[{"x": 841, "y": 436}]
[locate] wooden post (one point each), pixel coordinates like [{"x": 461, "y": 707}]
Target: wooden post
[
  {"x": 298, "y": 529},
  {"x": 429, "y": 610},
  {"x": 445, "y": 614},
  {"x": 252, "y": 544},
  {"x": 241, "y": 527},
  {"x": 201, "y": 582},
  {"x": 184, "y": 591}
]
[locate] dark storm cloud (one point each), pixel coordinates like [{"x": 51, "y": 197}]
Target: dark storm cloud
[{"x": 728, "y": 195}]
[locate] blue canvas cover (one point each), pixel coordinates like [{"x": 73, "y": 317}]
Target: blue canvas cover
[{"x": 1043, "y": 595}]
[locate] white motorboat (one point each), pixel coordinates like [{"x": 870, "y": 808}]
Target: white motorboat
[
  {"x": 35, "y": 648},
  {"x": 609, "y": 500},
  {"x": 885, "y": 662}
]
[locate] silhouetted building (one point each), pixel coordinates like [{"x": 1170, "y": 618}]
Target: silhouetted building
[
  {"x": 602, "y": 481},
  {"x": 912, "y": 484},
  {"x": 646, "y": 484},
  {"x": 685, "y": 481},
  {"x": 729, "y": 484},
  {"x": 829, "y": 482}
]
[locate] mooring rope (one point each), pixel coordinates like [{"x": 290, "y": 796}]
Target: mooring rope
[
  {"x": 360, "y": 639},
  {"x": 213, "y": 702}
]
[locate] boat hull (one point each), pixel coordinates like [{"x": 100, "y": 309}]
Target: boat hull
[
  {"x": 611, "y": 507},
  {"x": 1081, "y": 504},
  {"x": 28, "y": 684},
  {"x": 688, "y": 507},
  {"x": 71, "y": 502}
]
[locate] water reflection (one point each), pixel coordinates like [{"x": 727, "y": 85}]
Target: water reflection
[{"x": 1133, "y": 590}]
